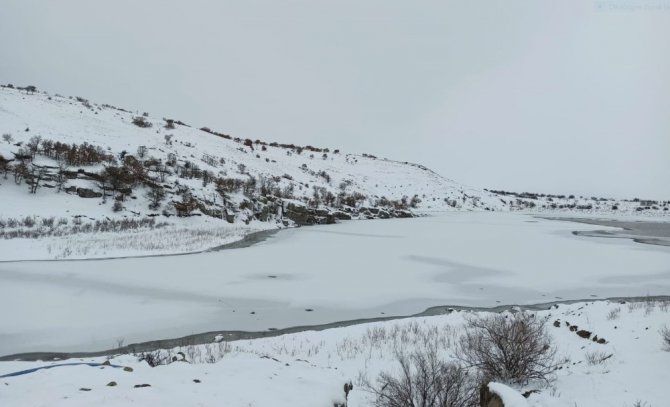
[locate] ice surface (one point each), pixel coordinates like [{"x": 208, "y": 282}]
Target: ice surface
[{"x": 345, "y": 271}]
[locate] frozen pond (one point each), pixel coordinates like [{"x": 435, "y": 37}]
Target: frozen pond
[{"x": 321, "y": 274}]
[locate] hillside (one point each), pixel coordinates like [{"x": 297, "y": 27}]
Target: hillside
[
  {"x": 68, "y": 163},
  {"x": 71, "y": 167}
]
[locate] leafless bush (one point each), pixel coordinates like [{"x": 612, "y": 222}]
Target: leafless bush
[
  {"x": 29, "y": 221},
  {"x": 665, "y": 333},
  {"x": 512, "y": 348},
  {"x": 424, "y": 381},
  {"x": 48, "y": 227},
  {"x": 155, "y": 358},
  {"x": 614, "y": 314},
  {"x": 596, "y": 357},
  {"x": 187, "y": 352},
  {"x": 140, "y": 121}
]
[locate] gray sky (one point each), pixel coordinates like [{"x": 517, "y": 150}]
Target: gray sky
[{"x": 568, "y": 96}]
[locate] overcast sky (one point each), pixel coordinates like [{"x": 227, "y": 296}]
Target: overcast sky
[{"x": 569, "y": 96}]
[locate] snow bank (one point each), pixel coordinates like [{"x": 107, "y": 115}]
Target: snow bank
[{"x": 509, "y": 396}]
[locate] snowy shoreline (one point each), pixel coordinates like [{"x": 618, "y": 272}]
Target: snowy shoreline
[
  {"x": 217, "y": 336},
  {"x": 626, "y": 367},
  {"x": 644, "y": 230}
]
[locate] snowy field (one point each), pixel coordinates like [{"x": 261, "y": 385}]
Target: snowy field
[
  {"x": 309, "y": 368},
  {"x": 321, "y": 274}
]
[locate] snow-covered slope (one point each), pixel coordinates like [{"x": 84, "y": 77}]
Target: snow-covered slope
[
  {"x": 70, "y": 167},
  {"x": 71, "y": 121},
  {"x": 220, "y": 182},
  {"x": 309, "y": 368}
]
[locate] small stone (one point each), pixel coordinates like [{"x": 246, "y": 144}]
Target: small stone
[
  {"x": 137, "y": 386},
  {"x": 84, "y": 389},
  {"x": 106, "y": 363},
  {"x": 127, "y": 369},
  {"x": 111, "y": 384},
  {"x": 196, "y": 381}
]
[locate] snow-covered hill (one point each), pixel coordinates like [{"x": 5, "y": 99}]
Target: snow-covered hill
[{"x": 70, "y": 167}]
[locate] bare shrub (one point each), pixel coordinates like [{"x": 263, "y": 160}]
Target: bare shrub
[
  {"x": 665, "y": 333},
  {"x": 425, "y": 381},
  {"x": 632, "y": 306},
  {"x": 155, "y": 358},
  {"x": 596, "y": 357},
  {"x": 614, "y": 314},
  {"x": 141, "y": 121},
  {"x": 29, "y": 221},
  {"x": 512, "y": 348}
]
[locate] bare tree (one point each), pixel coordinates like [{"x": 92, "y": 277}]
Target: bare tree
[
  {"x": 4, "y": 166},
  {"x": 156, "y": 194},
  {"x": 425, "y": 381},
  {"x": 36, "y": 175},
  {"x": 141, "y": 151},
  {"x": 61, "y": 178},
  {"x": 20, "y": 172},
  {"x": 512, "y": 348},
  {"x": 34, "y": 145}
]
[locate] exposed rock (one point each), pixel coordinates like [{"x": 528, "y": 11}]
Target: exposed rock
[
  {"x": 497, "y": 394},
  {"x": 111, "y": 384},
  {"x": 487, "y": 398},
  {"x": 341, "y": 215},
  {"x": 88, "y": 193},
  {"x": 584, "y": 334}
]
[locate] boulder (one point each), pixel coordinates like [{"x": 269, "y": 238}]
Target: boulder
[
  {"x": 341, "y": 215},
  {"x": 88, "y": 193}
]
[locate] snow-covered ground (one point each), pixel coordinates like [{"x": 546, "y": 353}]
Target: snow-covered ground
[
  {"x": 340, "y": 272},
  {"x": 310, "y": 368}
]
